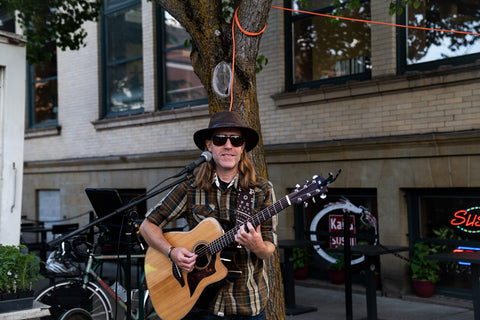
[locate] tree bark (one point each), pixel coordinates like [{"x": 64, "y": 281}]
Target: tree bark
[{"x": 212, "y": 43}]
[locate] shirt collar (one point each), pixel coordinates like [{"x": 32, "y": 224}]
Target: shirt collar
[{"x": 232, "y": 183}]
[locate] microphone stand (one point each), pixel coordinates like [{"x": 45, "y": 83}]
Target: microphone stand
[{"x": 128, "y": 288}]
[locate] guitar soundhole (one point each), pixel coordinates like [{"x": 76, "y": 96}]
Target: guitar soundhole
[{"x": 203, "y": 258}]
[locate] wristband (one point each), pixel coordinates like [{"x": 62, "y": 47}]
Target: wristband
[{"x": 169, "y": 253}]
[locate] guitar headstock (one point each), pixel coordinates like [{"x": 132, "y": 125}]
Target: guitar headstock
[{"x": 318, "y": 186}]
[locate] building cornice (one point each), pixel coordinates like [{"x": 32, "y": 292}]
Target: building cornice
[
  {"x": 463, "y": 143},
  {"x": 410, "y": 81}
]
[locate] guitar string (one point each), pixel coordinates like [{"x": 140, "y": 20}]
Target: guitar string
[
  {"x": 217, "y": 244},
  {"x": 256, "y": 220}
]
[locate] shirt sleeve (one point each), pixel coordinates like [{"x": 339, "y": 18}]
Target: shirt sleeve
[{"x": 171, "y": 207}]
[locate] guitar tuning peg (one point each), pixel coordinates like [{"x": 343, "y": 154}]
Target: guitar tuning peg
[
  {"x": 313, "y": 200},
  {"x": 305, "y": 204},
  {"x": 297, "y": 186},
  {"x": 314, "y": 177},
  {"x": 323, "y": 196}
]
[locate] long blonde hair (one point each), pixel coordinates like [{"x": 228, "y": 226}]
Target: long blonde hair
[{"x": 246, "y": 174}]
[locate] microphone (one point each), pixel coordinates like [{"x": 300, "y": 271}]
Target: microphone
[{"x": 206, "y": 156}]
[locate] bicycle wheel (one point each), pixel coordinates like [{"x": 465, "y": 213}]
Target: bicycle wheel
[
  {"x": 64, "y": 296},
  {"x": 76, "y": 314}
]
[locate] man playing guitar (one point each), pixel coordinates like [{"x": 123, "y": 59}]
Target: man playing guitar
[{"x": 214, "y": 191}]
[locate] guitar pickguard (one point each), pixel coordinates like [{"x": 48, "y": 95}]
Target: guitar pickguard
[
  {"x": 177, "y": 274},
  {"x": 197, "y": 275}
]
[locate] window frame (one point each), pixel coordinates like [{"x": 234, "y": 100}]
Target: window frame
[
  {"x": 414, "y": 215},
  {"x": 403, "y": 67},
  {"x": 10, "y": 22},
  {"x": 31, "y": 123},
  {"x": 289, "y": 19},
  {"x": 106, "y": 11},
  {"x": 162, "y": 69},
  {"x": 412, "y": 197}
]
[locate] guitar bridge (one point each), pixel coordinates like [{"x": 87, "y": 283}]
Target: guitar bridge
[{"x": 177, "y": 273}]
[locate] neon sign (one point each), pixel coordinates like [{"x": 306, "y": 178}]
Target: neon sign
[
  {"x": 466, "y": 220},
  {"x": 465, "y": 249}
]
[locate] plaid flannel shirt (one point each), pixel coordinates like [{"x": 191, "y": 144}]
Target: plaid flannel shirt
[{"x": 247, "y": 295}]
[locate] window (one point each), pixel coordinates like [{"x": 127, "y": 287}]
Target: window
[
  {"x": 122, "y": 58},
  {"x": 421, "y": 49},
  {"x": 322, "y": 50},
  {"x": 43, "y": 90},
  {"x": 179, "y": 85},
  {"x": 434, "y": 209},
  {"x": 7, "y": 23},
  {"x": 431, "y": 212}
]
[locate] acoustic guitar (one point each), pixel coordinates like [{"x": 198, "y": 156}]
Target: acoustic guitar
[{"x": 173, "y": 292}]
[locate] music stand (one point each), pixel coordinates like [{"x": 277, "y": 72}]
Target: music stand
[{"x": 104, "y": 201}]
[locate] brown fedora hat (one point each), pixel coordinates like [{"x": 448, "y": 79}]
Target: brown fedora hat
[{"x": 226, "y": 119}]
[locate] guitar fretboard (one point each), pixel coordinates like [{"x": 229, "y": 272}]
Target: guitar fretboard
[{"x": 262, "y": 216}]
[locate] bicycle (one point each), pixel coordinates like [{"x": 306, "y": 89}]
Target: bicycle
[{"x": 83, "y": 294}]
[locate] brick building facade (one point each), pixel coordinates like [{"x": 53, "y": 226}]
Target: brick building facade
[{"x": 394, "y": 135}]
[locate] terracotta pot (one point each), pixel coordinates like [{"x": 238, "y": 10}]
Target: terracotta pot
[
  {"x": 423, "y": 288},
  {"x": 337, "y": 276}
]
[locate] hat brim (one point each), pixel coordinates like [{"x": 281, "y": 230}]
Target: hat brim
[{"x": 250, "y": 135}]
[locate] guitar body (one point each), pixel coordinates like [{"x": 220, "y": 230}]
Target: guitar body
[{"x": 173, "y": 292}]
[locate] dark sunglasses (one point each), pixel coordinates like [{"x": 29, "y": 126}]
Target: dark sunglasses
[{"x": 221, "y": 139}]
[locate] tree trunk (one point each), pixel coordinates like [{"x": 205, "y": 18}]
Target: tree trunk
[{"x": 212, "y": 43}]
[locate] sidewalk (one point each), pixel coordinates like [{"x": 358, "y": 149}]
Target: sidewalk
[{"x": 330, "y": 304}]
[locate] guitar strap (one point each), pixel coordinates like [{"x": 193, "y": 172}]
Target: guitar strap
[{"x": 244, "y": 206}]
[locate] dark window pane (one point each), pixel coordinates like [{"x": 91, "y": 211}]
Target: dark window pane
[
  {"x": 175, "y": 34},
  {"x": 7, "y": 23},
  {"x": 124, "y": 34},
  {"x": 43, "y": 106},
  {"x": 47, "y": 69},
  {"x": 436, "y": 210},
  {"x": 182, "y": 84},
  {"x": 126, "y": 86},
  {"x": 46, "y": 101},
  {"x": 110, "y": 3},
  {"x": 124, "y": 54},
  {"x": 425, "y": 46},
  {"x": 324, "y": 48}
]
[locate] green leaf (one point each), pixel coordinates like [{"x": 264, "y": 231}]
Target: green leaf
[
  {"x": 261, "y": 62},
  {"x": 47, "y": 20}
]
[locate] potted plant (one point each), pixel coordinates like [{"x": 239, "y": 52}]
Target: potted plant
[
  {"x": 301, "y": 261},
  {"x": 19, "y": 272},
  {"x": 336, "y": 270},
  {"x": 425, "y": 273}
]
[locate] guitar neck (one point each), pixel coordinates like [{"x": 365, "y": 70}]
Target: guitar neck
[{"x": 257, "y": 219}]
